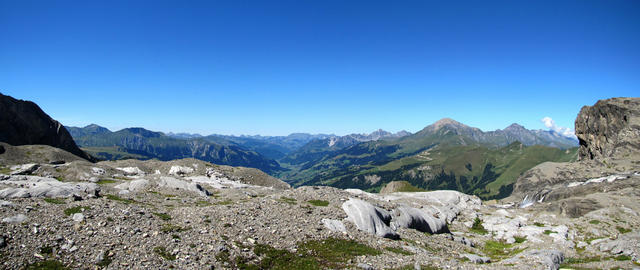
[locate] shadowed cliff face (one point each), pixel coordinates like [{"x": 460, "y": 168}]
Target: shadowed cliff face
[
  {"x": 609, "y": 129},
  {"x": 23, "y": 122}
]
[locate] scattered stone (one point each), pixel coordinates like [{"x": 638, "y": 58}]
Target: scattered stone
[
  {"x": 19, "y": 218},
  {"x": 476, "y": 259},
  {"x": 78, "y": 217},
  {"x": 334, "y": 225}
]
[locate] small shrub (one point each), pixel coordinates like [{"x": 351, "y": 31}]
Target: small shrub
[
  {"x": 55, "y": 200},
  {"x": 477, "y": 227},
  {"x": 497, "y": 249},
  {"x": 320, "y": 203},
  {"x": 162, "y": 251},
  {"x": 46, "y": 250}
]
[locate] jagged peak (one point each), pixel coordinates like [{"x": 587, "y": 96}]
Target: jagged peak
[
  {"x": 515, "y": 126},
  {"x": 447, "y": 122}
]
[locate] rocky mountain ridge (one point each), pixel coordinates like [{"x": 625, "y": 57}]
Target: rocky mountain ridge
[{"x": 23, "y": 123}]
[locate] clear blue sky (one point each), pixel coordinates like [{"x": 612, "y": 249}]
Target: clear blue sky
[{"x": 276, "y": 67}]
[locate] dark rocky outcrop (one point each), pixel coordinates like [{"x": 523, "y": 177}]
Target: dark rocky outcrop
[
  {"x": 609, "y": 129},
  {"x": 609, "y": 156},
  {"x": 24, "y": 123}
]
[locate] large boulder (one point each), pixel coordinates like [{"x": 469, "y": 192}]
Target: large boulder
[
  {"x": 413, "y": 218},
  {"x": 369, "y": 218},
  {"x": 23, "y": 122},
  {"x": 609, "y": 129}
]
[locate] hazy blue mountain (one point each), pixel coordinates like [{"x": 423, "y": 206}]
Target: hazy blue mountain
[
  {"x": 145, "y": 144},
  {"x": 92, "y": 129},
  {"x": 274, "y": 147},
  {"x": 183, "y": 135}
]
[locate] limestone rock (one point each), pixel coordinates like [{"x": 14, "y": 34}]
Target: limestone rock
[
  {"x": 19, "y": 218},
  {"x": 369, "y": 218},
  {"x": 409, "y": 217},
  {"x": 334, "y": 225},
  {"x": 35, "y": 186}
]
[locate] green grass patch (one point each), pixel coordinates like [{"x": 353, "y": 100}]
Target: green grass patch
[
  {"x": 225, "y": 202},
  {"x": 594, "y": 221},
  {"x": 320, "y": 203},
  {"x": 477, "y": 227},
  {"x": 73, "y": 210},
  {"x": 519, "y": 239},
  {"x": 105, "y": 181},
  {"x": 335, "y": 252},
  {"x": 5, "y": 170},
  {"x": 170, "y": 228},
  {"x": 46, "y": 265},
  {"x": 399, "y": 251},
  {"x": 412, "y": 267},
  {"x": 538, "y": 224},
  {"x": 622, "y": 229},
  {"x": 622, "y": 258},
  {"x": 55, "y": 200},
  {"x": 162, "y": 252},
  {"x": 498, "y": 250},
  {"x": 287, "y": 200},
  {"x": 163, "y": 216},
  {"x": 273, "y": 258},
  {"x": 203, "y": 203},
  {"x": 570, "y": 261},
  {"x": 119, "y": 199},
  {"x": 548, "y": 232}
]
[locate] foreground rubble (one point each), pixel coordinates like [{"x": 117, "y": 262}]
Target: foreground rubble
[{"x": 189, "y": 214}]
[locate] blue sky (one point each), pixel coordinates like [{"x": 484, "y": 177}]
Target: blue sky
[{"x": 276, "y": 67}]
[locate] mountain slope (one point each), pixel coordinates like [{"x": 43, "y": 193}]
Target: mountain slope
[
  {"x": 24, "y": 123},
  {"x": 144, "y": 144},
  {"x": 493, "y": 160}
]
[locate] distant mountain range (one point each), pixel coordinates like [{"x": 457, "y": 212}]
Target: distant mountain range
[{"x": 491, "y": 160}]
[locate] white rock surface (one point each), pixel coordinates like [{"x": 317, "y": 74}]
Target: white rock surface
[
  {"x": 180, "y": 170},
  {"x": 421, "y": 220},
  {"x": 334, "y": 225},
  {"x": 177, "y": 184},
  {"x": 132, "y": 171},
  {"x": 134, "y": 185},
  {"x": 35, "y": 186},
  {"x": 369, "y": 218},
  {"x": 19, "y": 218}
]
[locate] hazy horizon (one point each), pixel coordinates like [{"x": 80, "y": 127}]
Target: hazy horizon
[{"x": 330, "y": 67}]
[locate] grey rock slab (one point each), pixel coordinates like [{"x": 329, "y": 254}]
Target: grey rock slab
[
  {"x": 476, "y": 259},
  {"x": 369, "y": 218},
  {"x": 134, "y": 185}
]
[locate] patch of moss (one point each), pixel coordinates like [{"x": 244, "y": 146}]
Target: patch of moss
[
  {"x": 498, "y": 250},
  {"x": 273, "y": 258},
  {"x": 622, "y": 229},
  {"x": 46, "y": 265},
  {"x": 105, "y": 181},
  {"x": 519, "y": 239},
  {"x": 320, "y": 203},
  {"x": 477, "y": 227},
  {"x": 538, "y": 224},
  {"x": 622, "y": 258},
  {"x": 73, "y": 210},
  {"x": 287, "y": 200},
  {"x": 106, "y": 261},
  {"x": 170, "y": 228},
  {"x": 225, "y": 202},
  {"x": 412, "y": 267},
  {"x": 335, "y": 252},
  {"x": 548, "y": 232},
  {"x": 202, "y": 203},
  {"x": 55, "y": 200},
  {"x": 399, "y": 251},
  {"x": 594, "y": 221},
  {"x": 570, "y": 261},
  {"x": 163, "y": 216},
  {"x": 4, "y": 170},
  {"x": 162, "y": 252},
  {"x": 119, "y": 199}
]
